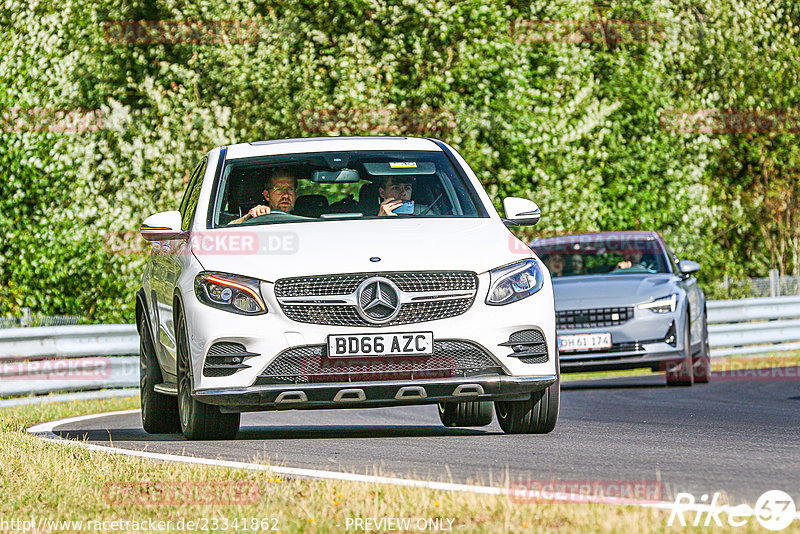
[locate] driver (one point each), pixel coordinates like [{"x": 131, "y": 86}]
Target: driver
[
  {"x": 633, "y": 258},
  {"x": 280, "y": 192}
]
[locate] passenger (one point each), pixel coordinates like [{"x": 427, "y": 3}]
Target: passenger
[
  {"x": 556, "y": 265},
  {"x": 280, "y": 192},
  {"x": 395, "y": 191},
  {"x": 578, "y": 264}
]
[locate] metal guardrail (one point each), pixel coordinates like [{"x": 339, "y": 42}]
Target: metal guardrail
[
  {"x": 69, "y": 341},
  {"x": 754, "y": 326},
  {"x": 70, "y": 358}
]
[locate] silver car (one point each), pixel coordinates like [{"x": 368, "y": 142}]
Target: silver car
[{"x": 623, "y": 301}]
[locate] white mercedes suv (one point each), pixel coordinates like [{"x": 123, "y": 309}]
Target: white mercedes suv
[{"x": 343, "y": 273}]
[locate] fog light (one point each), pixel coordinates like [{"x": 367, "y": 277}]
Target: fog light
[{"x": 671, "y": 336}]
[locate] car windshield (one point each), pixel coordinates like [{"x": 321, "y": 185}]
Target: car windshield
[
  {"x": 591, "y": 255},
  {"x": 340, "y": 185}
]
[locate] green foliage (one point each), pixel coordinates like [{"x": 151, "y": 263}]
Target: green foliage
[{"x": 576, "y": 126}]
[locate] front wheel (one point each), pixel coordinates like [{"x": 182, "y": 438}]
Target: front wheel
[
  {"x": 702, "y": 363},
  {"x": 682, "y": 374},
  {"x": 466, "y": 413},
  {"x": 198, "y": 420},
  {"x": 537, "y": 415},
  {"x": 159, "y": 411}
]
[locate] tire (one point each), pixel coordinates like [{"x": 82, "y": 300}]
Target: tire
[
  {"x": 701, "y": 365},
  {"x": 683, "y": 374},
  {"x": 198, "y": 421},
  {"x": 537, "y": 415},
  {"x": 466, "y": 413},
  {"x": 159, "y": 411}
]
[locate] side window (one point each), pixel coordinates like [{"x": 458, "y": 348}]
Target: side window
[{"x": 189, "y": 203}]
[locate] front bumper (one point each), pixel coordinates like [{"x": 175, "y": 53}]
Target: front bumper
[
  {"x": 607, "y": 361},
  {"x": 373, "y": 394},
  {"x": 269, "y": 335}
]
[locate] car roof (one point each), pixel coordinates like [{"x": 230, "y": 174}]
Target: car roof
[
  {"x": 328, "y": 144},
  {"x": 599, "y": 236}
]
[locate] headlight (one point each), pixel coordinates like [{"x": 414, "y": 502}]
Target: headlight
[
  {"x": 514, "y": 282},
  {"x": 664, "y": 305},
  {"x": 229, "y": 292}
]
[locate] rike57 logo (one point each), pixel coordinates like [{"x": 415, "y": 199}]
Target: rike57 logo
[{"x": 774, "y": 510}]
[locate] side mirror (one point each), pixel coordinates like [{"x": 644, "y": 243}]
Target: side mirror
[
  {"x": 163, "y": 227},
  {"x": 521, "y": 212},
  {"x": 688, "y": 267}
]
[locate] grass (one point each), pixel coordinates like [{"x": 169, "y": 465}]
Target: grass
[{"x": 39, "y": 479}]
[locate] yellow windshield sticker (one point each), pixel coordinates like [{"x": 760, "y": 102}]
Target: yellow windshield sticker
[{"x": 403, "y": 165}]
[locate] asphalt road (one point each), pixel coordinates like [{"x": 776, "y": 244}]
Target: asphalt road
[{"x": 740, "y": 437}]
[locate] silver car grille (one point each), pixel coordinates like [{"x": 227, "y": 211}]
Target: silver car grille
[
  {"x": 335, "y": 299},
  {"x": 593, "y": 317},
  {"x": 450, "y": 358}
]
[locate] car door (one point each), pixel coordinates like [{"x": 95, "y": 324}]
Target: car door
[{"x": 172, "y": 259}]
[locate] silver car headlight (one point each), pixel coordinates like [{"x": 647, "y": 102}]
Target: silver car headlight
[
  {"x": 229, "y": 292},
  {"x": 514, "y": 282},
  {"x": 662, "y": 305}
]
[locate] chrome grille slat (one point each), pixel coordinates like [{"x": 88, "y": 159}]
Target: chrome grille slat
[{"x": 430, "y": 295}]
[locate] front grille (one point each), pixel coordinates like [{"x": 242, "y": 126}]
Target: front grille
[
  {"x": 529, "y": 346},
  {"x": 412, "y": 312},
  {"x": 624, "y": 346},
  {"x": 593, "y": 318},
  {"x": 311, "y": 364},
  {"x": 343, "y": 284},
  {"x": 431, "y": 309},
  {"x": 218, "y": 361}
]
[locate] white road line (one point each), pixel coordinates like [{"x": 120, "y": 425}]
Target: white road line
[{"x": 46, "y": 431}]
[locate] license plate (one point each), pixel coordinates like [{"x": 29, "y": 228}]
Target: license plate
[
  {"x": 400, "y": 344},
  {"x": 584, "y": 342}
]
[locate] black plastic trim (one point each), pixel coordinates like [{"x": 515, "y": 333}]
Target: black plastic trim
[{"x": 217, "y": 174}]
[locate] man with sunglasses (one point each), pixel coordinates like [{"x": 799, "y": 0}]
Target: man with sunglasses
[{"x": 280, "y": 192}]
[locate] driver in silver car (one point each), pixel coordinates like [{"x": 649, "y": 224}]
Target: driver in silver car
[{"x": 280, "y": 192}]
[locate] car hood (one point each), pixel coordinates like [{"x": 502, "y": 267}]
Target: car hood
[
  {"x": 608, "y": 291},
  {"x": 301, "y": 249}
]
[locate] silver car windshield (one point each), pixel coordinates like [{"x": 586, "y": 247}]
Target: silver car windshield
[
  {"x": 340, "y": 185},
  {"x": 578, "y": 256}
]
